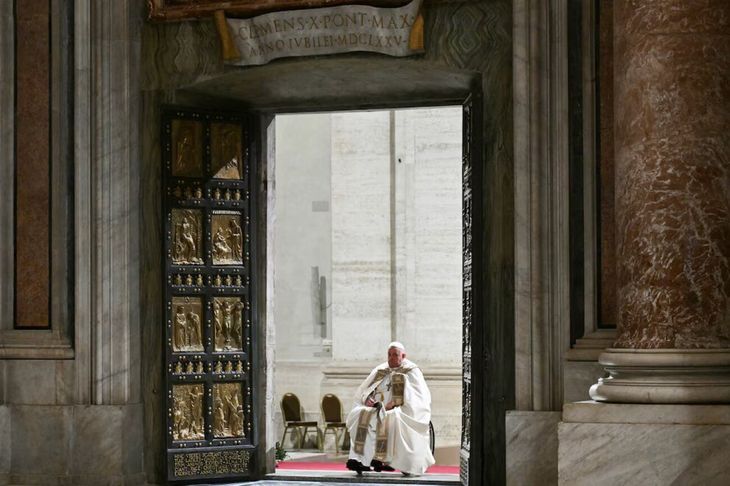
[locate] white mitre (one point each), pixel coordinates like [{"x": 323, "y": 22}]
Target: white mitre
[{"x": 397, "y": 345}]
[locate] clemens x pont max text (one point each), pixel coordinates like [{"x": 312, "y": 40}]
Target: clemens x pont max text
[{"x": 309, "y": 23}]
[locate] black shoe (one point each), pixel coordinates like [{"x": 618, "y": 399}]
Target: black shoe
[
  {"x": 379, "y": 466},
  {"x": 356, "y": 466}
]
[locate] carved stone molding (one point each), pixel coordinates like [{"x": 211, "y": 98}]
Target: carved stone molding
[
  {"x": 664, "y": 376},
  {"x": 590, "y": 346},
  {"x": 106, "y": 53},
  {"x": 542, "y": 306}
]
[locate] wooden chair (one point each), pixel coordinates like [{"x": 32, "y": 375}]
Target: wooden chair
[
  {"x": 332, "y": 416},
  {"x": 291, "y": 411}
]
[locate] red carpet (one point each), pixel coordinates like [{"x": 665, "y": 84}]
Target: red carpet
[{"x": 340, "y": 466}]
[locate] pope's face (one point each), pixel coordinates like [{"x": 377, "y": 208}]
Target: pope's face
[{"x": 395, "y": 357}]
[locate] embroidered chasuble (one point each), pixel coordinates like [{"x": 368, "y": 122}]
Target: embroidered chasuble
[{"x": 398, "y": 437}]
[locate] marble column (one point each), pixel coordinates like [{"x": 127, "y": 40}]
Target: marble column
[{"x": 672, "y": 162}]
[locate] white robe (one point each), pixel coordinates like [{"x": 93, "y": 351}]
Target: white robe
[{"x": 405, "y": 426}]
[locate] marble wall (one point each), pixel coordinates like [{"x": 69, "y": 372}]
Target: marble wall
[
  {"x": 643, "y": 454},
  {"x": 427, "y": 283},
  {"x": 606, "y": 444},
  {"x": 71, "y": 394},
  {"x": 5, "y": 435},
  {"x": 302, "y": 235},
  {"x": 55, "y": 445},
  {"x": 361, "y": 236},
  {"x": 532, "y": 445}
]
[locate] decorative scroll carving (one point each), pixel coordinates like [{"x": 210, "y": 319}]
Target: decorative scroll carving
[
  {"x": 187, "y": 148},
  {"x": 208, "y": 463},
  {"x": 187, "y": 412},
  {"x": 226, "y": 150},
  {"x": 187, "y": 237},
  {"x": 228, "y": 318},
  {"x": 227, "y": 410},
  {"x": 187, "y": 330},
  {"x": 227, "y": 237}
]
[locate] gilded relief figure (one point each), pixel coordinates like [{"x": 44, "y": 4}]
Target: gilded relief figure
[
  {"x": 228, "y": 410},
  {"x": 226, "y": 150},
  {"x": 228, "y": 317},
  {"x": 186, "y": 237},
  {"x": 187, "y": 331},
  {"x": 187, "y": 412},
  {"x": 221, "y": 249},
  {"x": 187, "y": 148},
  {"x": 227, "y": 238},
  {"x": 236, "y": 237}
]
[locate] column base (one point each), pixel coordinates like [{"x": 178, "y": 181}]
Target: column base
[{"x": 664, "y": 376}]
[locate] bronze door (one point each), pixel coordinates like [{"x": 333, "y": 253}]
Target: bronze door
[
  {"x": 208, "y": 175},
  {"x": 471, "y": 462}
]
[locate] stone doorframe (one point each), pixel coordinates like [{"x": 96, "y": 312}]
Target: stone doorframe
[{"x": 266, "y": 343}]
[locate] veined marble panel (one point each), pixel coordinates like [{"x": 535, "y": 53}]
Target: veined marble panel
[
  {"x": 4, "y": 441},
  {"x": 39, "y": 382},
  {"x": 97, "y": 444},
  {"x": 643, "y": 454},
  {"x": 532, "y": 443},
  {"x": 19, "y": 374},
  {"x": 39, "y": 440},
  {"x": 80, "y": 445}
]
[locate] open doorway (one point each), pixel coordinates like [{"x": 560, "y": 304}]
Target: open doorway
[{"x": 364, "y": 247}]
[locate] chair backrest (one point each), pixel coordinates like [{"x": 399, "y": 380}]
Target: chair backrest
[
  {"x": 290, "y": 408},
  {"x": 331, "y": 408}
]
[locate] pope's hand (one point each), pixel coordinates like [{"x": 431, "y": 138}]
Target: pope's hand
[
  {"x": 390, "y": 405},
  {"x": 370, "y": 402}
]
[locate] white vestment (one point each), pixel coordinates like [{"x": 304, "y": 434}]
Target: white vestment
[{"x": 399, "y": 436}]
